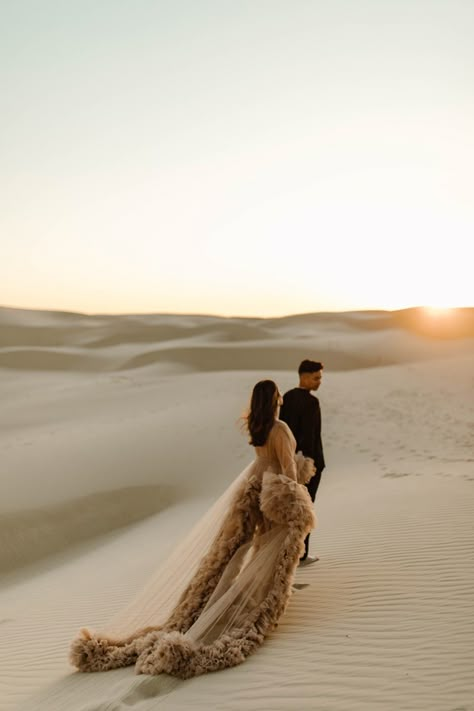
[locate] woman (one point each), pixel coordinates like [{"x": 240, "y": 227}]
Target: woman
[{"x": 225, "y": 588}]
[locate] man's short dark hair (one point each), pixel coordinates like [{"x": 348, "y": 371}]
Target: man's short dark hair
[{"x": 309, "y": 366}]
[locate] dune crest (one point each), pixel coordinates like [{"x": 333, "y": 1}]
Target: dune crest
[{"x": 77, "y": 342}]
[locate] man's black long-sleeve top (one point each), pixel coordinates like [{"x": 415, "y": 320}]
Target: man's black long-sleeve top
[{"x": 302, "y": 414}]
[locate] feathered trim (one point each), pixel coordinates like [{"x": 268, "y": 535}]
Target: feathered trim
[
  {"x": 305, "y": 468},
  {"x": 284, "y": 501},
  {"x": 91, "y": 653}
]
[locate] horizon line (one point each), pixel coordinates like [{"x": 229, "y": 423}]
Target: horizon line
[{"x": 231, "y": 316}]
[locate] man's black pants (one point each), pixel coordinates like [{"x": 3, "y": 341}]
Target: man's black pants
[{"x": 312, "y": 487}]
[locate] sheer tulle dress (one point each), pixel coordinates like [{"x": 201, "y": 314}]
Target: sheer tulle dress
[{"x": 226, "y": 586}]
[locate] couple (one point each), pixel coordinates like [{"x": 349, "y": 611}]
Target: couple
[{"x": 226, "y": 586}]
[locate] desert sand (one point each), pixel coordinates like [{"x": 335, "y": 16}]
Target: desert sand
[{"x": 117, "y": 432}]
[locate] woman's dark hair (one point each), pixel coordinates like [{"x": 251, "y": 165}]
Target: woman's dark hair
[{"x": 261, "y": 417}]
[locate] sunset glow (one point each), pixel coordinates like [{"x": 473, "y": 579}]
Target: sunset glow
[
  {"x": 251, "y": 159},
  {"x": 441, "y": 311}
]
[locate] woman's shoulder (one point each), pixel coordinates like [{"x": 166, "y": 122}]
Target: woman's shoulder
[{"x": 281, "y": 427}]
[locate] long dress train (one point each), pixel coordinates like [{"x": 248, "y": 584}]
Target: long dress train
[{"x": 238, "y": 588}]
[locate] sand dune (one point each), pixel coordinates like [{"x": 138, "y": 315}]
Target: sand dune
[
  {"x": 29, "y": 535},
  {"x": 344, "y": 341},
  {"x": 105, "y": 468},
  {"x": 46, "y": 359}
]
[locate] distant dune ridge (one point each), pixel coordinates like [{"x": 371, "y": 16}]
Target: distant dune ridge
[
  {"x": 117, "y": 432},
  {"x": 76, "y": 342}
]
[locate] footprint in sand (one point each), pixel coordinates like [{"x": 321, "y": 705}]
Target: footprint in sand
[{"x": 396, "y": 475}]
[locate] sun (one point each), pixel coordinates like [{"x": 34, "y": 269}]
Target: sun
[{"x": 438, "y": 310}]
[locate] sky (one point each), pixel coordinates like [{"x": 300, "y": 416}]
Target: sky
[{"x": 236, "y": 157}]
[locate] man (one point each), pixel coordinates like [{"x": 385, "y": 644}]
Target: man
[{"x": 302, "y": 414}]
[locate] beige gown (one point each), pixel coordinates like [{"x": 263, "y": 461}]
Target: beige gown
[{"x": 219, "y": 610}]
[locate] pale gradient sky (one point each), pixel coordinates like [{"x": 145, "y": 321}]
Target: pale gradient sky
[{"x": 236, "y": 157}]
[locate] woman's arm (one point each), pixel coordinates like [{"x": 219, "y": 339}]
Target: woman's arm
[
  {"x": 282, "y": 499},
  {"x": 284, "y": 444}
]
